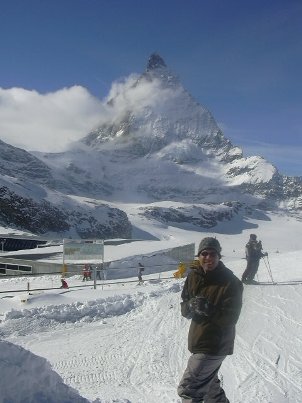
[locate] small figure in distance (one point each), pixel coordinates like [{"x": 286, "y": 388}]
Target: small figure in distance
[
  {"x": 139, "y": 273},
  {"x": 98, "y": 271},
  {"x": 63, "y": 283},
  {"x": 253, "y": 254},
  {"x": 86, "y": 272},
  {"x": 104, "y": 271}
]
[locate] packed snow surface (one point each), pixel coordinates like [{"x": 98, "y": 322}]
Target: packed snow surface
[{"x": 127, "y": 343}]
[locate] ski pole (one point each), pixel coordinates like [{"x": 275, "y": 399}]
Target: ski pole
[
  {"x": 267, "y": 265},
  {"x": 269, "y": 269}
]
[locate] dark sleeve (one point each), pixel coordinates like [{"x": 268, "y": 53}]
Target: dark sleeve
[
  {"x": 228, "y": 310},
  {"x": 184, "y": 305},
  {"x": 247, "y": 250}
]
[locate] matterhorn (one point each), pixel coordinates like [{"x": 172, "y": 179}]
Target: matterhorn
[{"x": 155, "y": 147}]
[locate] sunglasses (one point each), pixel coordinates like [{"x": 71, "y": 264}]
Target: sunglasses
[{"x": 208, "y": 254}]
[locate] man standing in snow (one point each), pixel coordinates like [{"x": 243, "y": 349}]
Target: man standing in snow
[
  {"x": 212, "y": 299},
  {"x": 139, "y": 273},
  {"x": 253, "y": 253}
]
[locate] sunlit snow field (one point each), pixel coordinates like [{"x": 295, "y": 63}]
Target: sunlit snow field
[{"x": 124, "y": 342}]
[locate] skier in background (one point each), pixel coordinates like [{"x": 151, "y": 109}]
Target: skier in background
[
  {"x": 253, "y": 253},
  {"x": 86, "y": 273},
  {"x": 139, "y": 273},
  {"x": 104, "y": 271},
  {"x": 98, "y": 271},
  {"x": 63, "y": 283}
]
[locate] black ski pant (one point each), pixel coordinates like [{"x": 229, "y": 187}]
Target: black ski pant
[{"x": 251, "y": 270}]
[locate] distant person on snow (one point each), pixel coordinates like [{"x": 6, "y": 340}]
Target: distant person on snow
[
  {"x": 86, "y": 272},
  {"x": 99, "y": 268},
  {"x": 63, "y": 283},
  {"x": 104, "y": 269},
  {"x": 212, "y": 299},
  {"x": 253, "y": 253},
  {"x": 139, "y": 273}
]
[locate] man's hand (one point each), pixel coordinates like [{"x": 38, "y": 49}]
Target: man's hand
[{"x": 201, "y": 306}]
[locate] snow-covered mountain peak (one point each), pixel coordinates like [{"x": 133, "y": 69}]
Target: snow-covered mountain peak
[
  {"x": 149, "y": 112},
  {"x": 155, "y": 61},
  {"x": 157, "y": 129},
  {"x": 155, "y": 144},
  {"x": 158, "y": 70}
]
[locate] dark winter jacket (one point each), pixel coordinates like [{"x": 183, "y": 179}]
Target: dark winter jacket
[
  {"x": 213, "y": 334},
  {"x": 253, "y": 250}
]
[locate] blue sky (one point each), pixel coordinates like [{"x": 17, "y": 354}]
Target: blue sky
[{"x": 240, "y": 59}]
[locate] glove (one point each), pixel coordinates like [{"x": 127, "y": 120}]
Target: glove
[{"x": 201, "y": 306}]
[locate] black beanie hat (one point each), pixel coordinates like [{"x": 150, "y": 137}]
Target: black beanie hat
[{"x": 209, "y": 243}]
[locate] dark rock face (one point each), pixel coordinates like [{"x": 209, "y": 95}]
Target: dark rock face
[
  {"x": 19, "y": 163},
  {"x": 202, "y": 217},
  {"x": 43, "y": 217},
  {"x": 155, "y": 61},
  {"x": 28, "y": 215}
]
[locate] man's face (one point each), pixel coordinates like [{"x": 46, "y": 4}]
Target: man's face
[{"x": 208, "y": 259}]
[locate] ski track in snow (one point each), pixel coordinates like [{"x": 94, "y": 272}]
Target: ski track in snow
[
  {"x": 141, "y": 353},
  {"x": 259, "y": 363},
  {"x": 119, "y": 359}
]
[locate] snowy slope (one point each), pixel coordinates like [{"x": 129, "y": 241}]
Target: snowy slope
[
  {"x": 128, "y": 343},
  {"x": 133, "y": 345}
]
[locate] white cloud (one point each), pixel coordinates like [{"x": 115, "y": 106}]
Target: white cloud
[
  {"x": 50, "y": 122},
  {"x": 47, "y": 122},
  {"x": 129, "y": 96}
]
